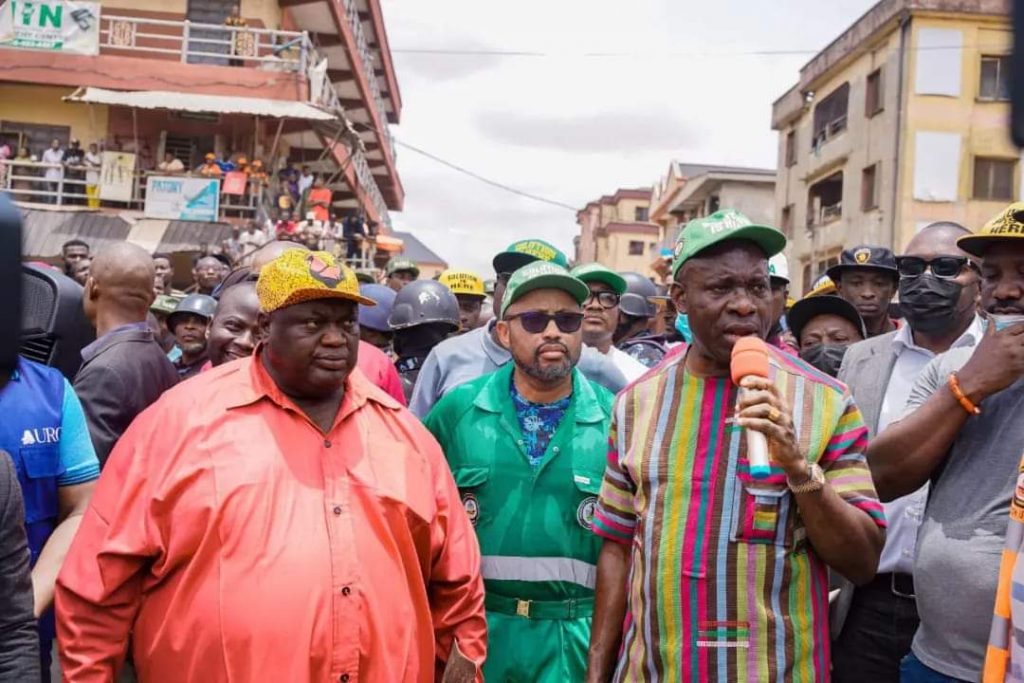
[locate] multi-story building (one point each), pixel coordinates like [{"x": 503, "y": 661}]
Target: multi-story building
[
  {"x": 691, "y": 191},
  {"x": 901, "y": 121},
  {"x": 615, "y": 230},
  {"x": 287, "y": 82}
]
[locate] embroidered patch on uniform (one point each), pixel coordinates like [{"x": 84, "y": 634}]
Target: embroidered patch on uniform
[
  {"x": 579, "y": 479},
  {"x": 472, "y": 507},
  {"x": 862, "y": 255},
  {"x": 585, "y": 512}
]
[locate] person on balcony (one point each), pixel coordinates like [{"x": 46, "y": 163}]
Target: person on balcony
[
  {"x": 318, "y": 200},
  {"x": 210, "y": 167},
  {"x": 242, "y": 43},
  {"x": 74, "y": 157},
  {"x": 257, "y": 176},
  {"x": 306, "y": 180},
  {"x": 171, "y": 164},
  {"x": 20, "y": 170},
  {"x": 289, "y": 178},
  {"x": 92, "y": 162},
  {"x": 55, "y": 172}
]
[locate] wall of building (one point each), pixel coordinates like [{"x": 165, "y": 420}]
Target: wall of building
[
  {"x": 264, "y": 13},
  {"x": 757, "y": 202},
  {"x": 971, "y": 127},
  {"x": 866, "y": 141},
  {"x": 43, "y": 105},
  {"x": 618, "y": 257}
]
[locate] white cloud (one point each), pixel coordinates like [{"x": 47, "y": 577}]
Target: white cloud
[{"x": 571, "y": 127}]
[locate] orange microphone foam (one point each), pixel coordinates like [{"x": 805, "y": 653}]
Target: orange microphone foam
[{"x": 749, "y": 358}]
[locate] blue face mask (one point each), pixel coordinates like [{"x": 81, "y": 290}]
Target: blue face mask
[{"x": 683, "y": 326}]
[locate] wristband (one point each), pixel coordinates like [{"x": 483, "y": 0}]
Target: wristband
[{"x": 958, "y": 394}]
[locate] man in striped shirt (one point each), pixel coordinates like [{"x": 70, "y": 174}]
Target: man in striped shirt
[{"x": 727, "y": 574}]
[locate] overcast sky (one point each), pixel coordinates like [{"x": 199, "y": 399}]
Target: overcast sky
[{"x": 571, "y": 127}]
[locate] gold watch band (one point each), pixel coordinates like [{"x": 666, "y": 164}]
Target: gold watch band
[{"x": 815, "y": 481}]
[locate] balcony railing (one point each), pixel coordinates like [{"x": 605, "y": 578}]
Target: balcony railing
[
  {"x": 366, "y": 55},
  {"x": 196, "y": 43},
  {"x": 27, "y": 181}
]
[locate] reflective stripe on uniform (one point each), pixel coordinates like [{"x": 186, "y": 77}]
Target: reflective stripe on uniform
[{"x": 511, "y": 568}]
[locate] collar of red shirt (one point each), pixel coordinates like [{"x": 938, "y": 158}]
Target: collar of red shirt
[{"x": 256, "y": 384}]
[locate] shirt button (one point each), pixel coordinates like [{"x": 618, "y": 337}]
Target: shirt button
[
  {"x": 343, "y": 678},
  {"x": 555, "y": 449},
  {"x": 346, "y": 591},
  {"x": 327, "y": 443},
  {"x": 337, "y": 509},
  {"x": 520, "y": 442}
]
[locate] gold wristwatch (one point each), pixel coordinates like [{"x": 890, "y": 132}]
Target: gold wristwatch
[{"x": 815, "y": 481}]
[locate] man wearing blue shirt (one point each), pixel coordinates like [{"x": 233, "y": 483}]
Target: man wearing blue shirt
[{"x": 45, "y": 433}]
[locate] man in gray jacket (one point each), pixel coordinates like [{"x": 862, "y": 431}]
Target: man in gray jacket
[{"x": 873, "y": 625}]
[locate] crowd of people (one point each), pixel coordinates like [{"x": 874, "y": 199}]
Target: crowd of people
[{"x": 233, "y": 488}]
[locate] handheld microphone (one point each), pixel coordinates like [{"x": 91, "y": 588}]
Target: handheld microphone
[{"x": 750, "y": 359}]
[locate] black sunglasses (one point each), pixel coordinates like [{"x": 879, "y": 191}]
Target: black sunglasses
[
  {"x": 941, "y": 266},
  {"x": 605, "y": 299},
  {"x": 536, "y": 322}
]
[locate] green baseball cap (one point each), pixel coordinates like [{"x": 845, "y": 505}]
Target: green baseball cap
[
  {"x": 522, "y": 252},
  {"x": 165, "y": 303},
  {"x": 397, "y": 264},
  {"x": 595, "y": 272},
  {"x": 721, "y": 226},
  {"x": 542, "y": 275}
]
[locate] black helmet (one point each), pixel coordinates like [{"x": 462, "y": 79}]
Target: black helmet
[
  {"x": 197, "y": 304},
  {"x": 636, "y": 301},
  {"x": 424, "y": 301}
]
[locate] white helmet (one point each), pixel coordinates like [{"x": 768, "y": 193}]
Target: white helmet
[{"x": 778, "y": 267}]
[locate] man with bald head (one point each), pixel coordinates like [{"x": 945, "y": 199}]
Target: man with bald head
[
  {"x": 873, "y": 625},
  {"x": 125, "y": 369}
]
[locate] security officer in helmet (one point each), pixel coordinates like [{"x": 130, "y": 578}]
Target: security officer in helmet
[
  {"x": 424, "y": 313},
  {"x": 636, "y": 315},
  {"x": 373, "y": 320}
]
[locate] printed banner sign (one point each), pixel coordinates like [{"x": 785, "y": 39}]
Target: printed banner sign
[
  {"x": 117, "y": 172},
  {"x": 59, "y": 25},
  {"x": 182, "y": 199},
  {"x": 234, "y": 182}
]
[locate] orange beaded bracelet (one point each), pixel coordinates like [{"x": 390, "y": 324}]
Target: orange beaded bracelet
[{"x": 958, "y": 393}]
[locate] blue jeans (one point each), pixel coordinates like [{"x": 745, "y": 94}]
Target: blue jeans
[{"x": 912, "y": 670}]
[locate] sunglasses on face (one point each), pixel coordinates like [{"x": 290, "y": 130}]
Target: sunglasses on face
[
  {"x": 605, "y": 299},
  {"x": 536, "y": 322},
  {"x": 941, "y": 266}
]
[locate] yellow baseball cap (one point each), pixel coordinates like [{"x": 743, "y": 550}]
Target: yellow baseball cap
[
  {"x": 298, "y": 275},
  {"x": 463, "y": 282},
  {"x": 1007, "y": 225}
]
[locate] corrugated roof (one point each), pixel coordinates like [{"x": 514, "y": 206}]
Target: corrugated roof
[
  {"x": 43, "y": 232},
  {"x": 415, "y": 250},
  {"x": 219, "y": 104},
  {"x": 191, "y": 235}
]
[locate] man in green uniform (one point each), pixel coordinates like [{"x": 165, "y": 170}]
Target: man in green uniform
[{"x": 527, "y": 446}]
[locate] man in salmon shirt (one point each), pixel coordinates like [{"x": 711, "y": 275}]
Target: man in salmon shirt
[{"x": 297, "y": 524}]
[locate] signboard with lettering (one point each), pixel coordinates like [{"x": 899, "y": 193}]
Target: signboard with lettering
[
  {"x": 117, "y": 173},
  {"x": 179, "y": 198},
  {"x": 59, "y": 25}
]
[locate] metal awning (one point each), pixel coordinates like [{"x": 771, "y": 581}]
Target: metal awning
[{"x": 202, "y": 104}]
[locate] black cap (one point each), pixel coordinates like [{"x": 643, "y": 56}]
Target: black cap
[
  {"x": 812, "y": 306},
  {"x": 865, "y": 256}
]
